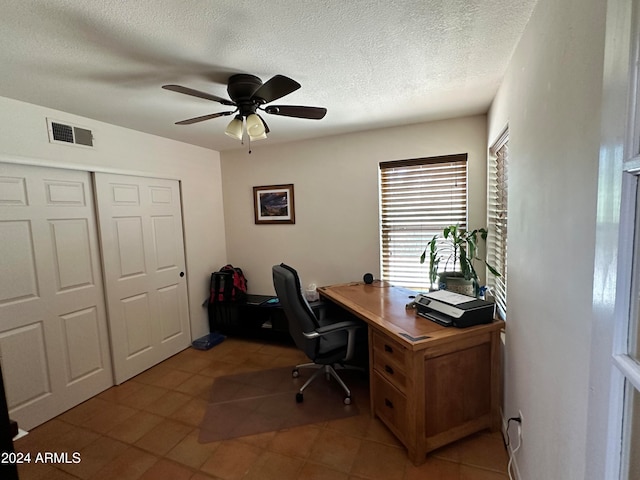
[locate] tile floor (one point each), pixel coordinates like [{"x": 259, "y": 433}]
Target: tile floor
[{"x": 147, "y": 429}]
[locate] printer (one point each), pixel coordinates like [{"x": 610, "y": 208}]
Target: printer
[{"x": 452, "y": 309}]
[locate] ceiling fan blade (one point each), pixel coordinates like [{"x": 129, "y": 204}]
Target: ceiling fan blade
[
  {"x": 313, "y": 113},
  {"x": 203, "y": 118},
  {"x": 198, "y": 93},
  {"x": 275, "y": 88}
]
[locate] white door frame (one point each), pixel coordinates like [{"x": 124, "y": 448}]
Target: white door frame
[{"x": 613, "y": 297}]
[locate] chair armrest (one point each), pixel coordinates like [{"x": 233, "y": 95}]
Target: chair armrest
[
  {"x": 335, "y": 327},
  {"x": 349, "y": 325}
]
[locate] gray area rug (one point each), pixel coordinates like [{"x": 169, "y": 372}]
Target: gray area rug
[{"x": 265, "y": 401}]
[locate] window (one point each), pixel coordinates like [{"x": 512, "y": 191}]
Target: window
[
  {"x": 497, "y": 221},
  {"x": 626, "y": 355},
  {"x": 418, "y": 198},
  {"x": 617, "y": 265}
]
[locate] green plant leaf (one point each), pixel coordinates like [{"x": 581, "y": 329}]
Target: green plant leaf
[
  {"x": 464, "y": 263},
  {"x": 471, "y": 241},
  {"x": 472, "y": 273},
  {"x": 455, "y": 245},
  {"x": 433, "y": 272},
  {"x": 434, "y": 244},
  {"x": 493, "y": 270},
  {"x": 434, "y": 260}
]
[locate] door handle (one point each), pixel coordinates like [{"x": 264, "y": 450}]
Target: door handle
[{"x": 182, "y": 274}]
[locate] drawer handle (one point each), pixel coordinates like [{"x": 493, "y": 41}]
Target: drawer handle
[
  {"x": 388, "y": 403},
  {"x": 387, "y": 348},
  {"x": 388, "y": 369}
]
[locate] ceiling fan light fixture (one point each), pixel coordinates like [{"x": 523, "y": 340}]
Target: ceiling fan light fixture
[
  {"x": 255, "y": 127},
  {"x": 254, "y": 138},
  {"x": 234, "y": 129}
]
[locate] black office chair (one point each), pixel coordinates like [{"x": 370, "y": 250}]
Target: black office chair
[{"x": 329, "y": 345}]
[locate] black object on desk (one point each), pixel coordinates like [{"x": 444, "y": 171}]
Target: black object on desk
[{"x": 262, "y": 300}]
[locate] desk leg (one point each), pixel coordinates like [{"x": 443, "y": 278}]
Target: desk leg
[
  {"x": 416, "y": 408},
  {"x": 496, "y": 381},
  {"x": 371, "y": 383}
]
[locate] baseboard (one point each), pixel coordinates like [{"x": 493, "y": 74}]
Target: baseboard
[{"x": 513, "y": 460}]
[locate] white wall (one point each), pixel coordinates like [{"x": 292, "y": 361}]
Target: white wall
[
  {"x": 336, "y": 235},
  {"x": 24, "y": 139},
  {"x": 550, "y": 98}
]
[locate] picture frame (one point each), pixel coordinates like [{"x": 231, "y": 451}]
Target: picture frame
[{"x": 273, "y": 204}]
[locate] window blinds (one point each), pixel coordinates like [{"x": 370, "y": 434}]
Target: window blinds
[
  {"x": 497, "y": 225},
  {"x": 418, "y": 198}
]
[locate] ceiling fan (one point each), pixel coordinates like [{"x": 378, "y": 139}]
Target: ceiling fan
[{"x": 249, "y": 95}]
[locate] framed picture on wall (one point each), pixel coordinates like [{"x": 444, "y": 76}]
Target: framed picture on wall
[{"x": 274, "y": 204}]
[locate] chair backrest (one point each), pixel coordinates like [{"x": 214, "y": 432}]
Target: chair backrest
[{"x": 299, "y": 314}]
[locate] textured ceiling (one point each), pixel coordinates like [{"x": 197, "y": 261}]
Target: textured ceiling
[{"x": 370, "y": 63}]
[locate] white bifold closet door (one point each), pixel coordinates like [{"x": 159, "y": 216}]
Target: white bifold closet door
[
  {"x": 54, "y": 344},
  {"x": 144, "y": 269}
]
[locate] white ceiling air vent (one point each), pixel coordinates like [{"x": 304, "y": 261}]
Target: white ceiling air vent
[{"x": 68, "y": 134}]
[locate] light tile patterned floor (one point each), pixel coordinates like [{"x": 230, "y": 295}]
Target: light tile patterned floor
[{"x": 147, "y": 429}]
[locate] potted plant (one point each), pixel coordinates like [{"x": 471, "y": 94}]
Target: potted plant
[{"x": 456, "y": 247}]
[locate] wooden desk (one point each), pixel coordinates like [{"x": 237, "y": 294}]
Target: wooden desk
[{"x": 430, "y": 385}]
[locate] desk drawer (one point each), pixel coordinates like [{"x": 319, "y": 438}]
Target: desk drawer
[
  {"x": 391, "y": 371},
  {"x": 390, "y": 405},
  {"x": 389, "y": 358}
]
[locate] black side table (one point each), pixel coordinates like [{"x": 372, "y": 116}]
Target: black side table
[{"x": 258, "y": 316}]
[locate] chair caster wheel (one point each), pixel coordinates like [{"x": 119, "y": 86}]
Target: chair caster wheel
[
  {"x": 299, "y": 397},
  {"x": 347, "y": 400},
  {"x": 295, "y": 373}
]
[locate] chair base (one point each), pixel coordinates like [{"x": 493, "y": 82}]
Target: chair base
[{"x": 329, "y": 371}]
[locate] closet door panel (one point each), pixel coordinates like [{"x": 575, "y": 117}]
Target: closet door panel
[
  {"x": 54, "y": 344},
  {"x": 143, "y": 248}
]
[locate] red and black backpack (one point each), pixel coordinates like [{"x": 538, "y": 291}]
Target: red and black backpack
[{"x": 228, "y": 284}]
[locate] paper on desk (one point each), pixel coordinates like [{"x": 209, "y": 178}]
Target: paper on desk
[{"x": 451, "y": 298}]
